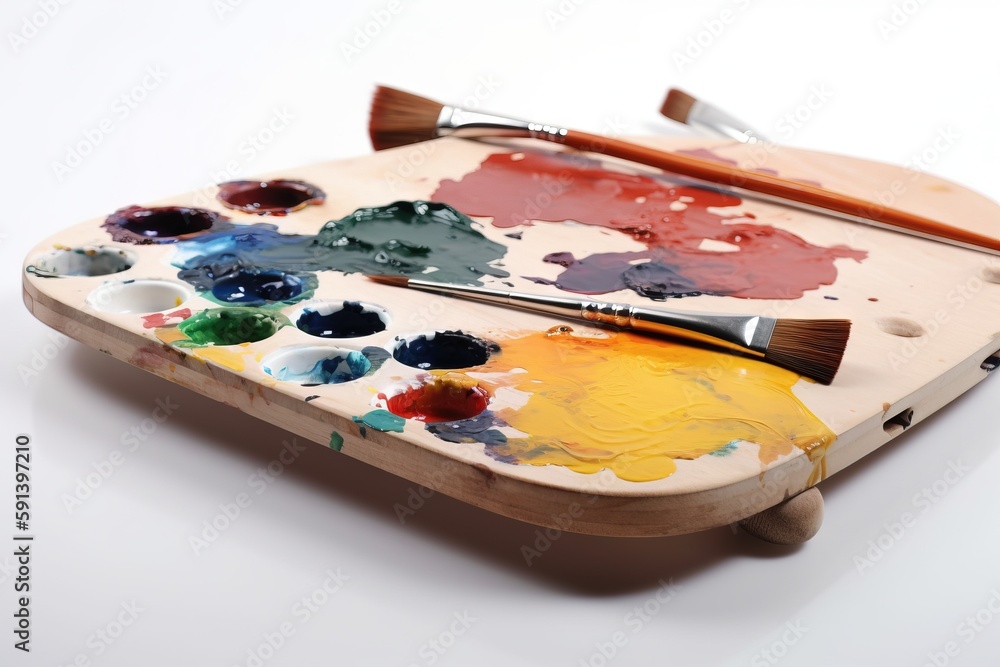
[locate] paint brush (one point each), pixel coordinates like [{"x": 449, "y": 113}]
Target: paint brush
[
  {"x": 689, "y": 110},
  {"x": 399, "y": 119},
  {"x": 813, "y": 348}
]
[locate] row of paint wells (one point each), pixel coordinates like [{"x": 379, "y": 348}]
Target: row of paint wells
[{"x": 430, "y": 398}]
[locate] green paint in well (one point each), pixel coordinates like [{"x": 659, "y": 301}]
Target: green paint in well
[{"x": 230, "y": 326}]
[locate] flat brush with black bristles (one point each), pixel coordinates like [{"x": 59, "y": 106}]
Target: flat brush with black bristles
[
  {"x": 399, "y": 118},
  {"x": 813, "y": 348}
]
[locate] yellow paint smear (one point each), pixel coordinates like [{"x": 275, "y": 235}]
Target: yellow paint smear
[
  {"x": 232, "y": 357},
  {"x": 634, "y": 404}
]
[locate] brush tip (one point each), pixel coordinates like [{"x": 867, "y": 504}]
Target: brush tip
[
  {"x": 395, "y": 281},
  {"x": 813, "y": 348},
  {"x": 398, "y": 118},
  {"x": 677, "y": 105}
]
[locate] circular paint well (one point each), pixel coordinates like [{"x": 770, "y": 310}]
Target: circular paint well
[
  {"x": 278, "y": 197},
  {"x": 138, "y": 296},
  {"x": 254, "y": 287},
  {"x": 162, "y": 222},
  {"x": 443, "y": 350},
  {"x": 445, "y": 398},
  {"x": 84, "y": 261},
  {"x": 342, "y": 319},
  {"x": 230, "y": 326},
  {"x": 314, "y": 365}
]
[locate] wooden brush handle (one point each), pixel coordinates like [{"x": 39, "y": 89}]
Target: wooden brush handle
[{"x": 727, "y": 175}]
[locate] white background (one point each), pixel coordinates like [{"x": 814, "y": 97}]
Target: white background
[{"x": 587, "y": 65}]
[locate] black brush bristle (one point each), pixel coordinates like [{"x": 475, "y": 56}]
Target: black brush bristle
[
  {"x": 813, "y": 348},
  {"x": 398, "y": 118}
]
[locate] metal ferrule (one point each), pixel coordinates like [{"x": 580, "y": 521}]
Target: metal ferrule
[
  {"x": 715, "y": 120},
  {"x": 751, "y": 332},
  {"x": 748, "y": 332},
  {"x": 459, "y": 122}
]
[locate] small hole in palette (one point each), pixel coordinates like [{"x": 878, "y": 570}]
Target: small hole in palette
[
  {"x": 315, "y": 365},
  {"x": 84, "y": 261},
  {"x": 138, "y": 296},
  {"x": 445, "y": 398},
  {"x": 341, "y": 319},
  {"x": 443, "y": 350},
  {"x": 278, "y": 197}
]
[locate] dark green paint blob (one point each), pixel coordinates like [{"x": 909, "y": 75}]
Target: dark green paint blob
[
  {"x": 410, "y": 238},
  {"x": 381, "y": 420},
  {"x": 336, "y": 441},
  {"x": 230, "y": 326}
]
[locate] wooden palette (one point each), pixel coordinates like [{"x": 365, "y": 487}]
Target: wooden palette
[{"x": 926, "y": 325}]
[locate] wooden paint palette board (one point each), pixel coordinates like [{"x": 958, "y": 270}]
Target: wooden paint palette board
[{"x": 628, "y": 436}]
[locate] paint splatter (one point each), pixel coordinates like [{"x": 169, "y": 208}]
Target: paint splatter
[
  {"x": 445, "y": 398},
  {"x": 673, "y": 221},
  {"x": 633, "y": 405},
  {"x": 380, "y": 420},
  {"x": 163, "y": 319},
  {"x": 228, "y": 326},
  {"x": 260, "y": 264},
  {"x": 336, "y": 441}
]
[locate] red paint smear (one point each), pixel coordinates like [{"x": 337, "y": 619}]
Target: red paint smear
[
  {"x": 161, "y": 319},
  {"x": 439, "y": 401},
  {"x": 770, "y": 264}
]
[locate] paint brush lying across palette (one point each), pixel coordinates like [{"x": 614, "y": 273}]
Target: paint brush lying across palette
[{"x": 257, "y": 296}]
